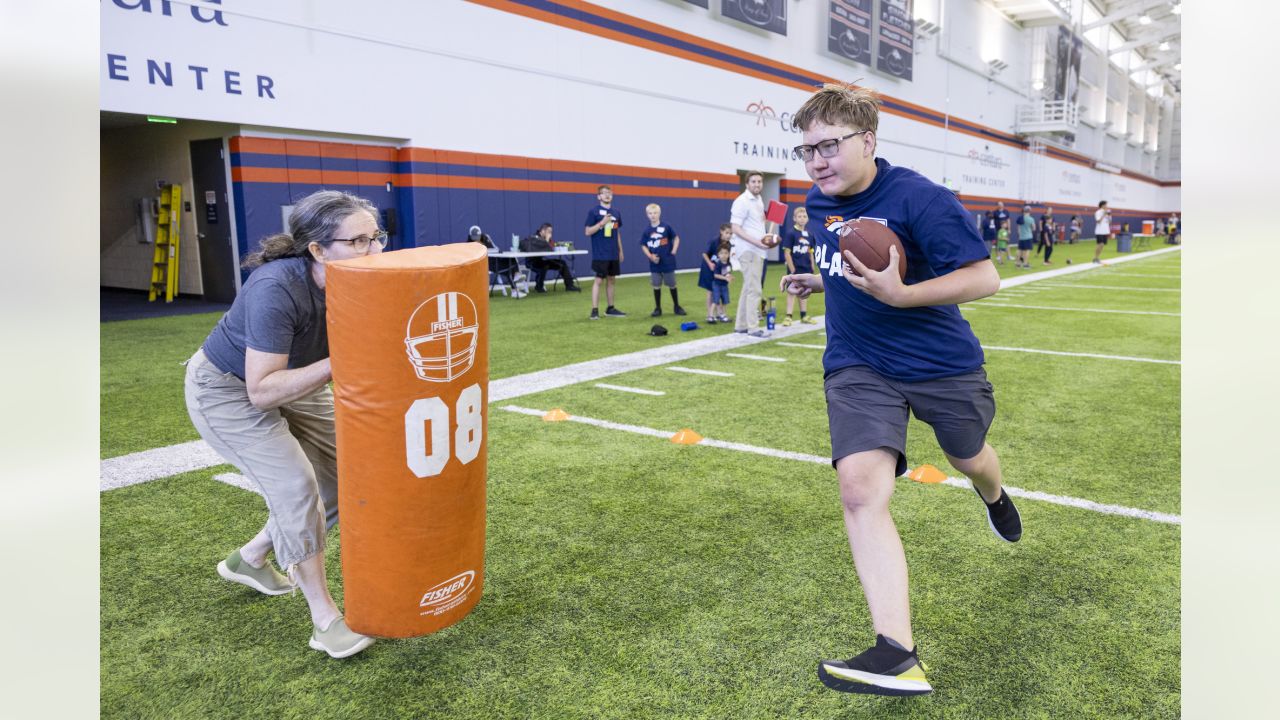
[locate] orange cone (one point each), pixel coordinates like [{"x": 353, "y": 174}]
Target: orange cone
[
  {"x": 556, "y": 415},
  {"x": 927, "y": 474},
  {"x": 686, "y": 437}
]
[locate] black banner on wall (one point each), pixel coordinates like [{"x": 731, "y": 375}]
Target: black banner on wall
[
  {"x": 699, "y": 3},
  {"x": 1063, "y": 65},
  {"x": 849, "y": 29},
  {"x": 769, "y": 15},
  {"x": 896, "y": 38}
]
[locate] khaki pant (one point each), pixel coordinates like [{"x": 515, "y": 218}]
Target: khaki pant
[
  {"x": 748, "y": 317},
  {"x": 288, "y": 452}
]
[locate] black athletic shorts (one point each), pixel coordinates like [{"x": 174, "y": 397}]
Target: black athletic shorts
[
  {"x": 605, "y": 268},
  {"x": 1102, "y": 239},
  {"x": 867, "y": 410}
]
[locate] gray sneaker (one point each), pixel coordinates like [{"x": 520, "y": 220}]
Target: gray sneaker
[
  {"x": 266, "y": 579},
  {"x": 759, "y": 333},
  {"x": 338, "y": 640}
]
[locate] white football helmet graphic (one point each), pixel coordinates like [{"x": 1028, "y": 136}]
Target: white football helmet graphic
[{"x": 441, "y": 337}]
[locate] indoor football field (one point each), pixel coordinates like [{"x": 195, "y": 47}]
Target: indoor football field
[{"x": 630, "y": 576}]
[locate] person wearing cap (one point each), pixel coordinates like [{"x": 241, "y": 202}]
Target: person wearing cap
[{"x": 502, "y": 267}]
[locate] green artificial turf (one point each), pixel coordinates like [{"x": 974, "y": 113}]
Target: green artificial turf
[{"x": 668, "y": 581}]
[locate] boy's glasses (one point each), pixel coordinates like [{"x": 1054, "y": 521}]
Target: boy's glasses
[{"x": 827, "y": 148}]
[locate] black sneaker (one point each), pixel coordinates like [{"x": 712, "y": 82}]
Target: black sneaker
[
  {"x": 1003, "y": 517},
  {"x": 614, "y": 312},
  {"x": 595, "y": 314},
  {"x": 885, "y": 669},
  {"x": 573, "y": 288},
  {"x": 657, "y": 312},
  {"x": 539, "y": 289},
  {"x": 680, "y": 311}
]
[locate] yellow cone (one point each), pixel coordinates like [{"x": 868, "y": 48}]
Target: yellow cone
[
  {"x": 927, "y": 474},
  {"x": 556, "y": 415},
  {"x": 686, "y": 437}
]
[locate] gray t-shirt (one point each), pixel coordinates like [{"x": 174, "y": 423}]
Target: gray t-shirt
[{"x": 279, "y": 310}]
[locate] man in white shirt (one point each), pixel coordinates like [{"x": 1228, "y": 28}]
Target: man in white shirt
[
  {"x": 749, "y": 247},
  {"x": 1101, "y": 229}
]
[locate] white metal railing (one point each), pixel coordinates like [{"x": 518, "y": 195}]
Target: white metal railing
[{"x": 1048, "y": 115}]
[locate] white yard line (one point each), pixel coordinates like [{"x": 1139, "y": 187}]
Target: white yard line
[
  {"x": 1144, "y": 275},
  {"x": 802, "y": 345},
  {"x": 696, "y": 371},
  {"x": 624, "y": 388},
  {"x": 162, "y": 462},
  {"x": 1067, "y": 309},
  {"x": 826, "y": 461},
  {"x": 1087, "y": 355},
  {"x": 1072, "y": 286},
  {"x": 765, "y": 358}
]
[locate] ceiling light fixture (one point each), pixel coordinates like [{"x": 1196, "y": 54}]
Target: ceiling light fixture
[
  {"x": 1144, "y": 19},
  {"x": 1176, "y": 9},
  {"x": 1164, "y": 46}
]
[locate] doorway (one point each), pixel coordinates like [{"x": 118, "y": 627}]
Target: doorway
[{"x": 213, "y": 220}]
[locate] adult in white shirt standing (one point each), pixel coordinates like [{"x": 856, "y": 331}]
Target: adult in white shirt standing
[
  {"x": 749, "y": 247},
  {"x": 1101, "y": 229}
]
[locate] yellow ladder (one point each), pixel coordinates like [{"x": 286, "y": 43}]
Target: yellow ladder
[{"x": 164, "y": 265}]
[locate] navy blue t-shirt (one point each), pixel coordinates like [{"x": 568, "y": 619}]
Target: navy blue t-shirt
[
  {"x": 722, "y": 268},
  {"x": 800, "y": 243},
  {"x": 906, "y": 344},
  {"x": 660, "y": 240},
  {"x": 603, "y": 248}
]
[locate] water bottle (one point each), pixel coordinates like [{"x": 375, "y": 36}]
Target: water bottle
[{"x": 772, "y": 316}]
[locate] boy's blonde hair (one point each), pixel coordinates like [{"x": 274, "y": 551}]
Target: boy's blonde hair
[
  {"x": 840, "y": 104},
  {"x": 653, "y": 206}
]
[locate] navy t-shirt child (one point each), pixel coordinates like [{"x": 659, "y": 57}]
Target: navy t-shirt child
[
  {"x": 722, "y": 268},
  {"x": 603, "y": 248},
  {"x": 800, "y": 243},
  {"x": 905, "y": 344},
  {"x": 660, "y": 240}
]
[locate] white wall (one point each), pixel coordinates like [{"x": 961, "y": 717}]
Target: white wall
[{"x": 462, "y": 76}]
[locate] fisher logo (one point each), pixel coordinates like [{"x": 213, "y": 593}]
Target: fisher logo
[
  {"x": 448, "y": 594},
  {"x": 441, "y": 337}
]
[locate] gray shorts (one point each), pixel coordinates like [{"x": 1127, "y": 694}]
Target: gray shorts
[
  {"x": 867, "y": 411},
  {"x": 288, "y": 452},
  {"x": 658, "y": 279}
]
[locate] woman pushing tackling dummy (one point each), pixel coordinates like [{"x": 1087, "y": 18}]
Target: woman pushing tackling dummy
[{"x": 258, "y": 393}]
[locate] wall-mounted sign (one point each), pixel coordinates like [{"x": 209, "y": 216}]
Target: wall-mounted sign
[
  {"x": 896, "y": 38},
  {"x": 768, "y": 15},
  {"x": 849, "y": 29}
]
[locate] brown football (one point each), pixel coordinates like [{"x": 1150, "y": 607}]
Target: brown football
[{"x": 869, "y": 241}]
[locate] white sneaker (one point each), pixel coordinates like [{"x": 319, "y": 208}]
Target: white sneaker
[{"x": 338, "y": 640}]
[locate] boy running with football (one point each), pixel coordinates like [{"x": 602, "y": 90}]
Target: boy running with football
[{"x": 893, "y": 348}]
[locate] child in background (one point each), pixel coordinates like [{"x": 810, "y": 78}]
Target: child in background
[
  {"x": 722, "y": 276},
  {"x": 660, "y": 243},
  {"x": 706, "y": 278},
  {"x": 797, "y": 250},
  {"x": 1002, "y": 242}
]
